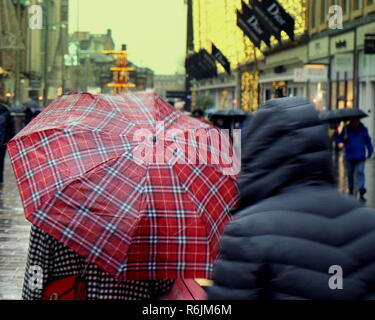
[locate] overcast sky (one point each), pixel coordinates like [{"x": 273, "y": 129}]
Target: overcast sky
[{"x": 154, "y": 30}]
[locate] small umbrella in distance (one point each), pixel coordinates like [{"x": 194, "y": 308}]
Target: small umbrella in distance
[
  {"x": 229, "y": 117},
  {"x": 343, "y": 114},
  {"x": 231, "y": 113}
]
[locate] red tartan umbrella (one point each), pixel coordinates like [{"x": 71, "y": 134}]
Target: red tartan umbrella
[{"x": 85, "y": 177}]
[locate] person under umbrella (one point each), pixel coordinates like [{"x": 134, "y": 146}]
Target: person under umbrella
[
  {"x": 356, "y": 139},
  {"x": 32, "y": 108},
  {"x": 128, "y": 225}
]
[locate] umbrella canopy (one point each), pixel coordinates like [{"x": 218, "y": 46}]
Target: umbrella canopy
[
  {"x": 210, "y": 111},
  {"x": 343, "y": 114},
  {"x": 85, "y": 176}
]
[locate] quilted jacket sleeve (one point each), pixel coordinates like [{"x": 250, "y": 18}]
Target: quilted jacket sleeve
[{"x": 239, "y": 274}]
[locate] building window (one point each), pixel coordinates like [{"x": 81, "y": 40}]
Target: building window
[
  {"x": 313, "y": 23},
  {"x": 345, "y": 4},
  {"x": 357, "y": 5},
  {"x": 357, "y": 8},
  {"x": 342, "y": 94},
  {"x": 370, "y": 6},
  {"x": 323, "y": 11}
]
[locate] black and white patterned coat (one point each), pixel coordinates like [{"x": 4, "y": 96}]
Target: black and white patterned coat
[{"x": 55, "y": 260}]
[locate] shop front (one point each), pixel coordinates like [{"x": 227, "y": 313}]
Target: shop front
[
  {"x": 215, "y": 93},
  {"x": 366, "y": 77},
  {"x": 278, "y": 75}
]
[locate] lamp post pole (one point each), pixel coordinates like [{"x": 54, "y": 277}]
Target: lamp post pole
[
  {"x": 63, "y": 30},
  {"x": 45, "y": 71},
  {"x": 17, "y": 90}
]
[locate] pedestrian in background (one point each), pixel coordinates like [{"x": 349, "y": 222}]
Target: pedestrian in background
[
  {"x": 32, "y": 108},
  {"x": 199, "y": 114},
  {"x": 7, "y": 132},
  {"x": 293, "y": 236},
  {"x": 356, "y": 139}
]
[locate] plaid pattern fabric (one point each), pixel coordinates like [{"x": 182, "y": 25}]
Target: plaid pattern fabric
[
  {"x": 57, "y": 261},
  {"x": 81, "y": 183}
]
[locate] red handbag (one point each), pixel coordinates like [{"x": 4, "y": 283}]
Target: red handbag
[{"x": 69, "y": 288}]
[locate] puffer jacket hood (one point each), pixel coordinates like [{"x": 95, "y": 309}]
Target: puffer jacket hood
[{"x": 284, "y": 145}]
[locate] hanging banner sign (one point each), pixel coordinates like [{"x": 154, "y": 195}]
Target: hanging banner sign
[
  {"x": 243, "y": 25},
  {"x": 254, "y": 23},
  {"x": 272, "y": 15},
  {"x": 218, "y": 55},
  {"x": 201, "y": 65},
  {"x": 207, "y": 63}
]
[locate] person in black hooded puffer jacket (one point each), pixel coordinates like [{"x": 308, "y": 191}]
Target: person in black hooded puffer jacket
[{"x": 292, "y": 225}]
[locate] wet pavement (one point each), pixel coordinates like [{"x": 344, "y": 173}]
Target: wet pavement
[
  {"x": 14, "y": 229},
  {"x": 14, "y": 235},
  {"x": 338, "y": 163}
]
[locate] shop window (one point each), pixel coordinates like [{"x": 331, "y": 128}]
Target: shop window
[
  {"x": 279, "y": 89},
  {"x": 342, "y": 94},
  {"x": 313, "y": 16},
  {"x": 268, "y": 94}
]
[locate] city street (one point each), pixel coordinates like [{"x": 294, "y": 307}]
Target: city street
[
  {"x": 14, "y": 229},
  {"x": 14, "y": 234}
]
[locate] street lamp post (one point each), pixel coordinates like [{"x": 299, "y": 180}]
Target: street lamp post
[
  {"x": 45, "y": 69},
  {"x": 17, "y": 91},
  {"x": 63, "y": 47}
]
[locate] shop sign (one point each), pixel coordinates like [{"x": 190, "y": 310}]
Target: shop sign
[{"x": 342, "y": 43}]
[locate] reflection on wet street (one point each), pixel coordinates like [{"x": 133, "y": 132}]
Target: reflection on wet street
[
  {"x": 14, "y": 229},
  {"x": 14, "y": 234},
  {"x": 339, "y": 165}
]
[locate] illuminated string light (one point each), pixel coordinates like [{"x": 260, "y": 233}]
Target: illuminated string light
[{"x": 216, "y": 21}]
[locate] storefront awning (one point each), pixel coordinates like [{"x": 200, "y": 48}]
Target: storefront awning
[{"x": 10, "y": 35}]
